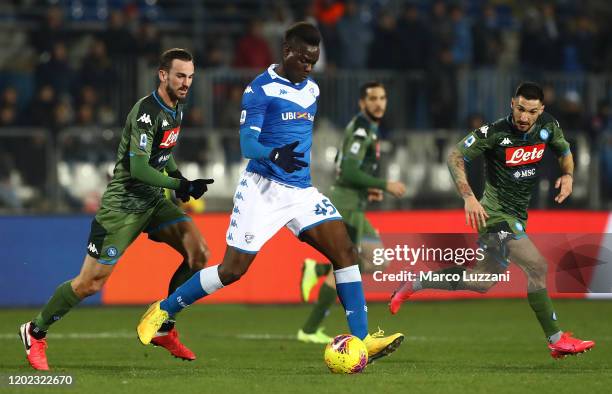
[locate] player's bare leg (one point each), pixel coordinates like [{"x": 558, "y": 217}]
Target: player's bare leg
[
  {"x": 90, "y": 280},
  {"x": 186, "y": 239},
  {"x": 561, "y": 344},
  {"x": 491, "y": 264},
  {"x": 332, "y": 240}
]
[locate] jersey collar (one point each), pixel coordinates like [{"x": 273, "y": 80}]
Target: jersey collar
[
  {"x": 164, "y": 106},
  {"x": 272, "y": 73},
  {"x": 373, "y": 125},
  {"x": 517, "y": 131}
]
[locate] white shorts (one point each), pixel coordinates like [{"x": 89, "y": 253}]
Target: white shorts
[{"x": 263, "y": 206}]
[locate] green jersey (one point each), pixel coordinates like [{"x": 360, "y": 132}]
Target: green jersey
[
  {"x": 512, "y": 159},
  {"x": 151, "y": 130},
  {"x": 357, "y": 162}
]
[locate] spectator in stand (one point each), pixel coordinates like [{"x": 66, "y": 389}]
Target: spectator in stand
[
  {"x": 85, "y": 116},
  {"x": 414, "y": 40},
  {"x": 228, "y": 121},
  {"x": 441, "y": 28},
  {"x": 442, "y": 81},
  {"x": 275, "y": 27},
  {"x": 40, "y": 112},
  {"x": 572, "y": 112},
  {"x": 8, "y": 116},
  {"x": 118, "y": 38},
  {"x": 328, "y": 14},
  {"x": 551, "y": 104},
  {"x": 148, "y": 42},
  {"x": 51, "y": 31},
  {"x": 252, "y": 50},
  {"x": 8, "y": 105},
  {"x": 97, "y": 70},
  {"x": 579, "y": 45},
  {"x": 540, "y": 40},
  {"x": 310, "y": 12},
  {"x": 354, "y": 38},
  {"x": 462, "y": 37},
  {"x": 487, "y": 39},
  {"x": 383, "y": 52},
  {"x": 55, "y": 70},
  {"x": 600, "y": 122}
]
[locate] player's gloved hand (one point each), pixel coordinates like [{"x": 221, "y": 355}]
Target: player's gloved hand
[
  {"x": 194, "y": 189},
  {"x": 184, "y": 197},
  {"x": 286, "y": 157}
]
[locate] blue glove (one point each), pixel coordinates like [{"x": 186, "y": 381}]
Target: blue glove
[{"x": 285, "y": 157}]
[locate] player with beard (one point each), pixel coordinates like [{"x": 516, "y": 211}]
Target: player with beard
[
  {"x": 513, "y": 147},
  {"x": 133, "y": 203},
  {"x": 356, "y": 184}
]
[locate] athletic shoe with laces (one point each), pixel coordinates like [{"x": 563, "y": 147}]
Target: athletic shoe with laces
[
  {"x": 150, "y": 323},
  {"x": 400, "y": 295},
  {"x": 309, "y": 278},
  {"x": 35, "y": 348},
  {"x": 170, "y": 341},
  {"x": 569, "y": 346},
  {"x": 379, "y": 345},
  {"x": 316, "y": 337}
]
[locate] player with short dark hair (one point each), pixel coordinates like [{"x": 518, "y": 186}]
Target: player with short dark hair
[
  {"x": 356, "y": 184},
  {"x": 133, "y": 203},
  {"x": 278, "y": 110},
  {"x": 513, "y": 148}
]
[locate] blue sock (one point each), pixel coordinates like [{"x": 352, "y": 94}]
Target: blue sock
[
  {"x": 201, "y": 284},
  {"x": 350, "y": 292}
]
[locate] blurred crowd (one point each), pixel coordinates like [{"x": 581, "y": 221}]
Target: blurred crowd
[{"x": 69, "y": 63}]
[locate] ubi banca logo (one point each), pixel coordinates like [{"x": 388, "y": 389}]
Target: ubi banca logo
[{"x": 297, "y": 116}]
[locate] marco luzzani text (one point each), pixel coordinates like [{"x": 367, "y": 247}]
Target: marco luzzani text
[{"x": 411, "y": 256}]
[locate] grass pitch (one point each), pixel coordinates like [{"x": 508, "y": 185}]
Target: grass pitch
[{"x": 480, "y": 346}]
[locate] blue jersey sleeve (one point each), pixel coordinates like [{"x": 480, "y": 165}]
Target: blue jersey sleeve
[{"x": 254, "y": 105}]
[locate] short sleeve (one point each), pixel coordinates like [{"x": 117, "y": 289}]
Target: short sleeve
[
  {"x": 558, "y": 143},
  {"x": 476, "y": 143}
]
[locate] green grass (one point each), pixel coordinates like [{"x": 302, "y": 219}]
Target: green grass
[{"x": 484, "y": 346}]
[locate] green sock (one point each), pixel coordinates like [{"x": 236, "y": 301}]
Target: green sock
[
  {"x": 445, "y": 284},
  {"x": 322, "y": 269},
  {"x": 327, "y": 296},
  {"x": 542, "y": 306},
  {"x": 58, "y": 305}
]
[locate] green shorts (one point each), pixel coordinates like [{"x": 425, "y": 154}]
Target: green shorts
[
  {"x": 113, "y": 231},
  {"x": 498, "y": 222},
  {"x": 359, "y": 227},
  {"x": 500, "y": 228}
]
